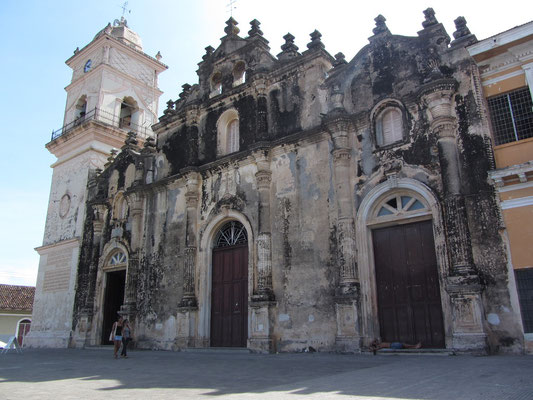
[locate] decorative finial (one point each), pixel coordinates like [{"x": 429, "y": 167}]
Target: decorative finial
[
  {"x": 289, "y": 45},
  {"x": 170, "y": 107},
  {"x": 208, "y": 52},
  {"x": 255, "y": 31},
  {"x": 149, "y": 145},
  {"x": 158, "y": 56},
  {"x": 108, "y": 29},
  {"x": 289, "y": 49},
  {"x": 316, "y": 42},
  {"x": 430, "y": 20},
  {"x": 131, "y": 140},
  {"x": 111, "y": 157},
  {"x": 186, "y": 89},
  {"x": 461, "y": 28},
  {"x": 231, "y": 28},
  {"x": 340, "y": 59},
  {"x": 380, "y": 25}
]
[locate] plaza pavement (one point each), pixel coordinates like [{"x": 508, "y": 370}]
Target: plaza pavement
[{"x": 94, "y": 374}]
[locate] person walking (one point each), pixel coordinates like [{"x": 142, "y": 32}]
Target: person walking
[
  {"x": 126, "y": 338},
  {"x": 116, "y": 335}
]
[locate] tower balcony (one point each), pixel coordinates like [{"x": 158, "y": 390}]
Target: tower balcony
[{"x": 106, "y": 118}]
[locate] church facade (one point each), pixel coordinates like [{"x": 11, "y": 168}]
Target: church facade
[{"x": 301, "y": 200}]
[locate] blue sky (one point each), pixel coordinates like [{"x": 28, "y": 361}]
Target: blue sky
[{"x": 38, "y": 36}]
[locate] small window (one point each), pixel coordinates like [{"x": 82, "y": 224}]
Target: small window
[
  {"x": 228, "y": 132},
  {"x": 239, "y": 73},
  {"x": 118, "y": 258},
  {"x": 232, "y": 136},
  {"x": 389, "y": 126},
  {"x": 400, "y": 205},
  {"x": 512, "y": 116},
  {"x": 216, "y": 84}
]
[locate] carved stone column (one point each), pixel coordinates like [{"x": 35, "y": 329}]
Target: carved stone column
[
  {"x": 263, "y": 178},
  {"x": 438, "y": 97},
  {"x": 347, "y": 297},
  {"x": 191, "y": 197},
  {"x": 462, "y": 285},
  {"x": 263, "y": 299}
]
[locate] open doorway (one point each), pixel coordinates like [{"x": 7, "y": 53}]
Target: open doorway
[{"x": 113, "y": 299}]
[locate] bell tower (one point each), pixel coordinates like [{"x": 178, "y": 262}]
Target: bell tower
[{"x": 113, "y": 91}]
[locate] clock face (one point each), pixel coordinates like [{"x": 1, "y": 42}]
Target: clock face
[{"x": 87, "y": 66}]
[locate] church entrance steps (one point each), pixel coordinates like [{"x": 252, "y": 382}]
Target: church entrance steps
[
  {"x": 218, "y": 350},
  {"x": 416, "y": 352}
]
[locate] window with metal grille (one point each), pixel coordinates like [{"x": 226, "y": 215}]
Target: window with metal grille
[
  {"x": 512, "y": 116},
  {"x": 231, "y": 234},
  {"x": 524, "y": 284}
]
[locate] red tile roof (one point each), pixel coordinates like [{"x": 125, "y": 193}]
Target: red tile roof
[{"x": 16, "y": 298}]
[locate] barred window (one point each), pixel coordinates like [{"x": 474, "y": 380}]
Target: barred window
[
  {"x": 512, "y": 116},
  {"x": 524, "y": 284},
  {"x": 231, "y": 234}
]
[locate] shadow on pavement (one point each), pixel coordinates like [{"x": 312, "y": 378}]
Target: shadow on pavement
[{"x": 209, "y": 374}]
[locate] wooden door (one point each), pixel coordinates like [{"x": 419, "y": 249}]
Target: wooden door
[
  {"x": 409, "y": 304},
  {"x": 229, "y": 297}
]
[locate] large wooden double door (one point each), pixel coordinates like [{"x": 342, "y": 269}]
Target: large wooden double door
[
  {"x": 229, "y": 297},
  {"x": 408, "y": 293}
]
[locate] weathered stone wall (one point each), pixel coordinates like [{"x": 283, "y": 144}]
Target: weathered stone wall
[{"x": 306, "y": 183}]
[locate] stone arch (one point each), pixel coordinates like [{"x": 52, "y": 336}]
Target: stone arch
[
  {"x": 365, "y": 257},
  {"x": 204, "y": 267}
]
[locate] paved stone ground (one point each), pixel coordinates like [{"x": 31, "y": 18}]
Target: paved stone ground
[{"x": 94, "y": 374}]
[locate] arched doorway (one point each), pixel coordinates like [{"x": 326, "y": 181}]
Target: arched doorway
[
  {"x": 229, "y": 287},
  {"x": 115, "y": 279},
  {"x": 406, "y": 271},
  {"x": 23, "y": 329}
]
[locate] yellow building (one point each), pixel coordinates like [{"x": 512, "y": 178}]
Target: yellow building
[{"x": 505, "y": 64}]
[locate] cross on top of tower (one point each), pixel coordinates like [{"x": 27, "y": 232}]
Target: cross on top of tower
[
  {"x": 231, "y": 6},
  {"x": 125, "y": 8}
]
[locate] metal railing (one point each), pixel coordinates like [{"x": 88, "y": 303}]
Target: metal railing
[{"x": 104, "y": 117}]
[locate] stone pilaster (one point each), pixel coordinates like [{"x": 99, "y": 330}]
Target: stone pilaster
[
  {"x": 347, "y": 338},
  {"x": 189, "y": 299},
  {"x": 129, "y": 308},
  {"x": 348, "y": 279}
]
